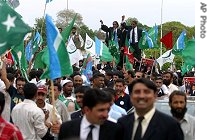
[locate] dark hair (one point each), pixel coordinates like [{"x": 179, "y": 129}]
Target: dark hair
[
  {"x": 10, "y": 77},
  {"x": 116, "y": 23},
  {"x": 98, "y": 74},
  {"x": 39, "y": 72},
  {"x": 30, "y": 90},
  {"x": 81, "y": 89},
  {"x": 58, "y": 85},
  {"x": 158, "y": 78},
  {"x": 120, "y": 80},
  {"x": 131, "y": 72},
  {"x": 169, "y": 72},
  {"x": 143, "y": 74},
  {"x": 148, "y": 83},
  {"x": 177, "y": 92},
  {"x": 110, "y": 91},
  {"x": 109, "y": 73},
  {"x": 2, "y": 102},
  {"x": 20, "y": 79},
  {"x": 60, "y": 29},
  {"x": 94, "y": 96},
  {"x": 32, "y": 74},
  {"x": 74, "y": 28}
]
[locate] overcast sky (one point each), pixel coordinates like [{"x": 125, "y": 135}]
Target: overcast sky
[{"x": 146, "y": 11}]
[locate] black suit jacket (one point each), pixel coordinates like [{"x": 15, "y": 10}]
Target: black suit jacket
[
  {"x": 70, "y": 130},
  {"x": 139, "y": 32},
  {"x": 109, "y": 33},
  {"x": 161, "y": 127},
  {"x": 77, "y": 114}
]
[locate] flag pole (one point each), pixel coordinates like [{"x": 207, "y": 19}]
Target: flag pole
[
  {"x": 161, "y": 31},
  {"x": 67, "y": 4},
  {"x": 45, "y": 6},
  {"x": 53, "y": 101}
]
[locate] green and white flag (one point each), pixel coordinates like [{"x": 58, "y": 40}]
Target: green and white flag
[
  {"x": 188, "y": 56},
  {"x": 20, "y": 58},
  {"x": 12, "y": 28},
  {"x": 90, "y": 45}
]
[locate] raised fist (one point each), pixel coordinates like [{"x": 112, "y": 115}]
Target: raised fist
[
  {"x": 101, "y": 21},
  {"x": 123, "y": 17}
]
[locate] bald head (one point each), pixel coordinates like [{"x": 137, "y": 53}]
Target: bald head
[{"x": 78, "y": 81}]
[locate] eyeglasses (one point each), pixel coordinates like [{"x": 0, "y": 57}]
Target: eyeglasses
[{"x": 114, "y": 24}]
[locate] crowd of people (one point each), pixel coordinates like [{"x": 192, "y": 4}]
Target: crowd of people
[
  {"x": 74, "y": 107},
  {"x": 103, "y": 103}
]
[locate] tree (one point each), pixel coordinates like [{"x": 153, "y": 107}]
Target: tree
[
  {"x": 40, "y": 26},
  {"x": 64, "y": 17},
  {"x": 140, "y": 25}
]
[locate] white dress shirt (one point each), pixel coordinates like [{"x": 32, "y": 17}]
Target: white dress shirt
[
  {"x": 85, "y": 129},
  {"x": 145, "y": 122},
  {"x": 135, "y": 33},
  {"x": 30, "y": 120}
]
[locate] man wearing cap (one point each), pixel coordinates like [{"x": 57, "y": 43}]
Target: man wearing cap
[
  {"x": 29, "y": 118},
  {"x": 51, "y": 116},
  {"x": 66, "y": 96}
]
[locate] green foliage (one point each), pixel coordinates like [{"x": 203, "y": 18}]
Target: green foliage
[
  {"x": 40, "y": 26},
  {"x": 65, "y": 16}
]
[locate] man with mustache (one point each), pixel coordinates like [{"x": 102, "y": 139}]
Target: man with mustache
[
  {"x": 94, "y": 124},
  {"x": 178, "y": 103},
  {"x": 146, "y": 122},
  {"x": 168, "y": 81}
]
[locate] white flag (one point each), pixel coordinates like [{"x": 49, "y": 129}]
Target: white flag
[
  {"x": 74, "y": 54},
  {"x": 166, "y": 57},
  {"x": 90, "y": 45}
]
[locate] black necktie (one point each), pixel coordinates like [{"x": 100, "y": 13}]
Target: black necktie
[
  {"x": 114, "y": 35},
  {"x": 139, "y": 129},
  {"x": 133, "y": 36},
  {"x": 90, "y": 137}
]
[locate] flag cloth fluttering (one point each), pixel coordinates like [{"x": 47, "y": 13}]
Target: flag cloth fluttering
[
  {"x": 12, "y": 28},
  {"x": 167, "y": 40},
  {"x": 180, "y": 44},
  {"x": 188, "y": 56},
  {"x": 19, "y": 55},
  {"x": 59, "y": 63}
]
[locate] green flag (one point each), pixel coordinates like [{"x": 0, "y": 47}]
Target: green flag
[
  {"x": 188, "y": 56},
  {"x": 66, "y": 32},
  {"x": 128, "y": 45},
  {"x": 128, "y": 65},
  {"x": 149, "y": 39},
  {"x": 12, "y": 28},
  {"x": 106, "y": 55},
  {"x": 19, "y": 55},
  {"x": 57, "y": 49},
  {"x": 180, "y": 44},
  {"x": 114, "y": 51},
  {"x": 42, "y": 59}
]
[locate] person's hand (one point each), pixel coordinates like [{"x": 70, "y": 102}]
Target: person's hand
[
  {"x": 123, "y": 17},
  {"x": 55, "y": 127},
  {"x": 46, "y": 112},
  {"x": 101, "y": 21}
]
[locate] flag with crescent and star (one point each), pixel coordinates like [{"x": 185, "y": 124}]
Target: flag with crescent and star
[{"x": 12, "y": 28}]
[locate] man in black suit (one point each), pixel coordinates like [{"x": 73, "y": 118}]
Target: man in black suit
[
  {"x": 134, "y": 34},
  {"x": 111, "y": 32},
  {"x": 147, "y": 123},
  {"x": 96, "y": 105}
]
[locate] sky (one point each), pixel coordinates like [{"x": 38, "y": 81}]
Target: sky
[{"x": 147, "y": 12}]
